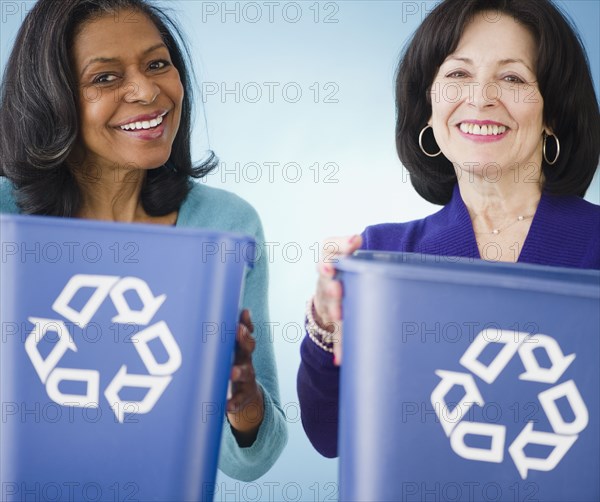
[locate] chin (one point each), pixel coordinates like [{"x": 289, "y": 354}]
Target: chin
[
  {"x": 479, "y": 165},
  {"x": 150, "y": 164}
]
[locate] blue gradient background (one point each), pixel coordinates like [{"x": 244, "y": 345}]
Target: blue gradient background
[{"x": 355, "y": 57}]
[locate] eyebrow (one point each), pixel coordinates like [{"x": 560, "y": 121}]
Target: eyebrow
[
  {"x": 116, "y": 60},
  {"x": 502, "y": 61}
]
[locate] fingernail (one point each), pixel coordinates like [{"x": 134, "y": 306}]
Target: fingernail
[
  {"x": 335, "y": 359},
  {"x": 352, "y": 239},
  {"x": 328, "y": 268}
]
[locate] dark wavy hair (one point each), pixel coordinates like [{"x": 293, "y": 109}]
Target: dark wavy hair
[
  {"x": 565, "y": 83},
  {"x": 39, "y": 122}
]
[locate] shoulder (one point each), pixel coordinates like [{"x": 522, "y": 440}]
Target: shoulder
[
  {"x": 583, "y": 206},
  {"x": 407, "y": 236},
  {"x": 578, "y": 203},
  {"x": 8, "y": 203},
  {"x": 565, "y": 232},
  {"x": 209, "y": 207},
  {"x": 570, "y": 212},
  {"x": 577, "y": 225}
]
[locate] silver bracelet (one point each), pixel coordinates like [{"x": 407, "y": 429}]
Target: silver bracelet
[{"x": 321, "y": 337}]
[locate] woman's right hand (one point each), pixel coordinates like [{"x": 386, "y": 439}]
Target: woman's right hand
[{"x": 328, "y": 298}]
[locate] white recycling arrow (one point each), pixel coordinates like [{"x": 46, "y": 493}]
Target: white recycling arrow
[
  {"x": 448, "y": 418},
  {"x": 159, "y": 330},
  {"x": 91, "y": 397},
  {"x": 495, "y": 453},
  {"x": 155, "y": 385},
  {"x": 101, "y": 284},
  {"x": 41, "y": 326},
  {"x": 527, "y": 436},
  {"x": 548, "y": 400},
  {"x": 511, "y": 340},
  {"x": 533, "y": 371},
  {"x": 151, "y": 304}
]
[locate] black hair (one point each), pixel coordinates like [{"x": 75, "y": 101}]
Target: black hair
[
  {"x": 39, "y": 122},
  {"x": 564, "y": 80}
]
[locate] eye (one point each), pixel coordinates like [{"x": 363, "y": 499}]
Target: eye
[
  {"x": 514, "y": 79},
  {"x": 456, "y": 74},
  {"x": 105, "y": 78},
  {"x": 159, "y": 65}
]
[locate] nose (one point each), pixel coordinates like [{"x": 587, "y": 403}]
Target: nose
[
  {"x": 141, "y": 89},
  {"x": 484, "y": 94}
]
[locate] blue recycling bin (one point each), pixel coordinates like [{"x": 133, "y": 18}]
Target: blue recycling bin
[
  {"x": 468, "y": 381},
  {"x": 117, "y": 344}
]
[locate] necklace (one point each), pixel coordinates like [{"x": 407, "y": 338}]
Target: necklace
[{"x": 496, "y": 231}]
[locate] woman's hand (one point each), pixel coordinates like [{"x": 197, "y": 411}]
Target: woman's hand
[
  {"x": 245, "y": 409},
  {"x": 328, "y": 298}
]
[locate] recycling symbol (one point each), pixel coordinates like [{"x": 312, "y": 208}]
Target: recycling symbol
[
  {"x": 159, "y": 373},
  {"x": 564, "y": 433}
]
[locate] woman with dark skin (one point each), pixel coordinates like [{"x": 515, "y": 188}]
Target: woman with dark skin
[
  {"x": 95, "y": 123},
  {"x": 497, "y": 120}
]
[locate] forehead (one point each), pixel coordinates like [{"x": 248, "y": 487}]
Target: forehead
[
  {"x": 496, "y": 35},
  {"x": 116, "y": 34}
]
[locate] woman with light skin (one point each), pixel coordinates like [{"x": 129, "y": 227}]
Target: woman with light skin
[
  {"x": 95, "y": 122},
  {"x": 497, "y": 120}
]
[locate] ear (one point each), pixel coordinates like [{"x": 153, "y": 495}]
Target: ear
[{"x": 549, "y": 131}]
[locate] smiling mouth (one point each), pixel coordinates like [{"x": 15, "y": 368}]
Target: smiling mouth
[
  {"x": 145, "y": 125},
  {"x": 482, "y": 130}
]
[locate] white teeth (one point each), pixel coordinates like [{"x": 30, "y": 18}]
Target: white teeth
[
  {"x": 146, "y": 124},
  {"x": 485, "y": 130}
]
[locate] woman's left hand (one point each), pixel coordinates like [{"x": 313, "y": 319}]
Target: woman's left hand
[{"x": 245, "y": 409}]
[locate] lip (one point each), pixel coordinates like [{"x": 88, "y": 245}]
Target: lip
[{"x": 142, "y": 118}]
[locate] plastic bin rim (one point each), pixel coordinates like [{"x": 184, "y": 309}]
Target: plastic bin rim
[
  {"x": 482, "y": 273},
  {"x": 146, "y": 228}
]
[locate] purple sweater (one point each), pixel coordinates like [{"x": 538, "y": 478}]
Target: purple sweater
[{"x": 565, "y": 232}]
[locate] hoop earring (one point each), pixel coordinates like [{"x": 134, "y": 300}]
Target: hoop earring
[
  {"x": 421, "y": 142},
  {"x": 546, "y": 136}
]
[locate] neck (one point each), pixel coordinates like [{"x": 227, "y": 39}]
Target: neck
[
  {"x": 494, "y": 205},
  {"x": 111, "y": 194}
]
